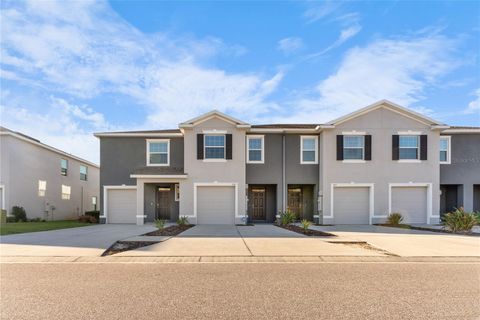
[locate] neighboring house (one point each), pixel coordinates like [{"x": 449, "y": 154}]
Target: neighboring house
[
  {"x": 47, "y": 182},
  {"x": 460, "y": 168},
  {"x": 216, "y": 169}
]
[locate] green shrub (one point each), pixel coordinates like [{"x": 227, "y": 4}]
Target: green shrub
[
  {"x": 183, "y": 221},
  {"x": 394, "y": 219},
  {"x": 93, "y": 213},
  {"x": 36, "y": 220},
  {"x": 459, "y": 220},
  {"x": 87, "y": 219},
  {"x": 19, "y": 214},
  {"x": 477, "y": 216},
  {"x": 3, "y": 218},
  {"x": 305, "y": 225},
  {"x": 160, "y": 223},
  {"x": 10, "y": 219},
  {"x": 286, "y": 218}
]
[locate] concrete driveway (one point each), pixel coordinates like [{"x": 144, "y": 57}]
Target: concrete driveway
[
  {"x": 258, "y": 240},
  {"x": 408, "y": 243},
  {"x": 82, "y": 241}
]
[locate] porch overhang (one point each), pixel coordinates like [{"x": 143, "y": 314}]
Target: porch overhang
[{"x": 159, "y": 176}]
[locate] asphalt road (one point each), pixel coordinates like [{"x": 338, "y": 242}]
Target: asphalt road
[{"x": 240, "y": 291}]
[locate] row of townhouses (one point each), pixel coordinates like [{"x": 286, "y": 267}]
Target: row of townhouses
[
  {"x": 47, "y": 182},
  {"x": 215, "y": 169}
]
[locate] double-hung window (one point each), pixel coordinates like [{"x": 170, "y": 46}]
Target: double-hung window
[
  {"x": 308, "y": 149},
  {"x": 66, "y": 191},
  {"x": 353, "y": 147},
  {"x": 158, "y": 152},
  {"x": 445, "y": 156},
  {"x": 214, "y": 146},
  {"x": 83, "y": 173},
  {"x": 409, "y": 147},
  {"x": 255, "y": 151},
  {"x": 63, "y": 167},
  {"x": 42, "y": 188}
]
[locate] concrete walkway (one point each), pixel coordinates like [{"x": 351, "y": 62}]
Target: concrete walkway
[
  {"x": 408, "y": 243},
  {"x": 243, "y": 241},
  {"x": 82, "y": 241}
]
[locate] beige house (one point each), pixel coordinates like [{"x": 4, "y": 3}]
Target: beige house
[{"x": 48, "y": 183}]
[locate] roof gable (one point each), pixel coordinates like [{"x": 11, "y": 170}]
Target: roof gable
[
  {"x": 213, "y": 114},
  {"x": 390, "y": 106}
]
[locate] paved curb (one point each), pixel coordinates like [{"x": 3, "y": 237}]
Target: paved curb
[{"x": 240, "y": 259}]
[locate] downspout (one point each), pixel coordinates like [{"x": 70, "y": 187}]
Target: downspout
[{"x": 284, "y": 181}]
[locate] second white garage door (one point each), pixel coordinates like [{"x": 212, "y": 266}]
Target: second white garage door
[
  {"x": 411, "y": 202},
  {"x": 121, "y": 205},
  {"x": 351, "y": 205},
  {"x": 216, "y": 205}
]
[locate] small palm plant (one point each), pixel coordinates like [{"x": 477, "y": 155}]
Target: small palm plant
[
  {"x": 160, "y": 223},
  {"x": 286, "y": 218},
  {"x": 305, "y": 225},
  {"x": 183, "y": 221},
  {"x": 459, "y": 220},
  {"x": 394, "y": 219}
]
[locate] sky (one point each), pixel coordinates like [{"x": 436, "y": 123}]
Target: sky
[{"x": 72, "y": 68}]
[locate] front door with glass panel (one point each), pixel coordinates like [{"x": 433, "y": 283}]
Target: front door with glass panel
[{"x": 163, "y": 203}]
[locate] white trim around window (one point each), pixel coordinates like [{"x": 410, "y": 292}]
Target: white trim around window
[
  {"x": 448, "y": 150},
  {"x": 315, "y": 138},
  {"x": 224, "y": 147},
  {"x": 148, "y": 141},
  {"x": 262, "y": 148}
]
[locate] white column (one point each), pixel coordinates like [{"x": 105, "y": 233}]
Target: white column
[{"x": 140, "y": 208}]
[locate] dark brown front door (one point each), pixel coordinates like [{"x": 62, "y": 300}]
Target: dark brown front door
[
  {"x": 163, "y": 203},
  {"x": 295, "y": 200},
  {"x": 258, "y": 204}
]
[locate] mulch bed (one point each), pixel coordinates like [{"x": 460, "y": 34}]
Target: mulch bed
[
  {"x": 121, "y": 246},
  {"x": 312, "y": 233},
  {"x": 169, "y": 231},
  {"x": 407, "y": 226}
]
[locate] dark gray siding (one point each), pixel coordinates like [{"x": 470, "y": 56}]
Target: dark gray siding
[
  {"x": 465, "y": 167},
  {"x": 120, "y": 156}
]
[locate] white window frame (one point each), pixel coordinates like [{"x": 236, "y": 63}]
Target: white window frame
[
  {"x": 262, "y": 138},
  {"x": 362, "y": 160},
  {"x": 449, "y": 153},
  {"x": 65, "y": 195},
  {"x": 42, "y": 188},
  {"x": 148, "y": 153},
  {"x": 61, "y": 168},
  {"x": 205, "y": 159},
  {"x": 301, "y": 149},
  {"x": 403, "y": 134}
]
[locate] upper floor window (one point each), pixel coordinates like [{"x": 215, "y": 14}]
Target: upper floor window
[
  {"x": 445, "y": 150},
  {"x": 66, "y": 192},
  {"x": 353, "y": 147},
  {"x": 255, "y": 151},
  {"x": 83, "y": 173},
  {"x": 158, "y": 152},
  {"x": 42, "y": 188},
  {"x": 409, "y": 147},
  {"x": 214, "y": 146},
  {"x": 308, "y": 149},
  {"x": 64, "y": 167}
]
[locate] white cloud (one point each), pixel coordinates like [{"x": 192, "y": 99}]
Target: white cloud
[
  {"x": 400, "y": 70},
  {"x": 474, "y": 105},
  {"x": 290, "y": 45},
  {"x": 321, "y": 10},
  {"x": 83, "y": 49},
  {"x": 345, "y": 34},
  {"x": 61, "y": 124}
]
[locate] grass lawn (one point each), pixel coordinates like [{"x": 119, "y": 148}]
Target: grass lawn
[{"x": 23, "y": 227}]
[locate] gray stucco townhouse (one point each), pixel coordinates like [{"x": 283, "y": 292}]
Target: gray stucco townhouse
[{"x": 215, "y": 169}]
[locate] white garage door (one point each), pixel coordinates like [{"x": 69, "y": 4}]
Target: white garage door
[
  {"x": 122, "y": 206},
  {"x": 351, "y": 205},
  {"x": 216, "y": 205},
  {"x": 411, "y": 202}
]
